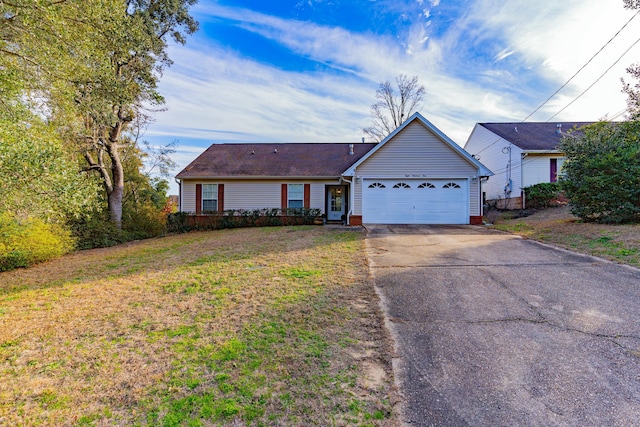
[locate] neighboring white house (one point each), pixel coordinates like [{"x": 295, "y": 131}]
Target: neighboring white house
[
  {"x": 520, "y": 155},
  {"x": 417, "y": 175}
]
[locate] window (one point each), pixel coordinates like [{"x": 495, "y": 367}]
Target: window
[
  {"x": 402, "y": 185},
  {"x": 426, "y": 185},
  {"x": 209, "y": 197},
  {"x": 451, "y": 185},
  {"x": 295, "y": 197},
  {"x": 377, "y": 185}
]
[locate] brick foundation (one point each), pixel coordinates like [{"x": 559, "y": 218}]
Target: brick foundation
[
  {"x": 355, "y": 220},
  {"x": 475, "y": 220}
]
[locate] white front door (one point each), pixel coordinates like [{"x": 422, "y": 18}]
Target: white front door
[{"x": 335, "y": 203}]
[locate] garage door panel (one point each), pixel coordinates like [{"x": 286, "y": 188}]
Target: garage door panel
[{"x": 415, "y": 201}]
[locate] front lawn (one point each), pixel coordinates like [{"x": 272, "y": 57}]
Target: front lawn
[
  {"x": 619, "y": 243},
  {"x": 268, "y": 326}
]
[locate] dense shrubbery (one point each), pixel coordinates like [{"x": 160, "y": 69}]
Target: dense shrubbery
[
  {"x": 27, "y": 242},
  {"x": 181, "y": 222},
  {"x": 541, "y": 195},
  {"x": 602, "y": 172}
]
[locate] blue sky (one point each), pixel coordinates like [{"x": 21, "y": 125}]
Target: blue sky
[{"x": 307, "y": 70}]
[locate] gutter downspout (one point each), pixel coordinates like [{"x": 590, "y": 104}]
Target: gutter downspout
[
  {"x": 522, "y": 157},
  {"x": 179, "y": 182},
  {"x": 351, "y": 198}
]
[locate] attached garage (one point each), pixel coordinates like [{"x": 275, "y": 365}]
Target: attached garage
[
  {"x": 416, "y": 175},
  {"x": 415, "y": 201}
]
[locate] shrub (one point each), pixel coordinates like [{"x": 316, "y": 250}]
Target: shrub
[
  {"x": 97, "y": 232},
  {"x": 602, "y": 172},
  {"x": 541, "y": 195},
  {"x": 26, "y": 242},
  {"x": 144, "y": 222},
  {"x": 181, "y": 222}
]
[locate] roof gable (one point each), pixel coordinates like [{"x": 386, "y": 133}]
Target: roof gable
[
  {"x": 533, "y": 136},
  {"x": 274, "y": 160},
  {"x": 418, "y": 118}
]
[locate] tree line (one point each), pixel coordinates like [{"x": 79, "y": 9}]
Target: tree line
[{"x": 78, "y": 80}]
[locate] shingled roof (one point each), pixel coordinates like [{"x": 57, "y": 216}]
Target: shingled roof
[
  {"x": 541, "y": 136},
  {"x": 275, "y": 160}
]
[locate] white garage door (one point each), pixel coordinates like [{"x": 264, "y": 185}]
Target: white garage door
[{"x": 415, "y": 201}]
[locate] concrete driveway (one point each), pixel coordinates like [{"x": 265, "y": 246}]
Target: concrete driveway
[{"x": 494, "y": 330}]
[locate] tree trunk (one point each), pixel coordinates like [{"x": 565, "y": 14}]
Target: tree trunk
[{"x": 114, "y": 198}]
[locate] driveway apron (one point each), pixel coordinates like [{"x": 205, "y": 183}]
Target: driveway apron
[{"x": 494, "y": 330}]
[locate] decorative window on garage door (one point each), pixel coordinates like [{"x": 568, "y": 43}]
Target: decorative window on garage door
[
  {"x": 426, "y": 185},
  {"x": 451, "y": 185},
  {"x": 377, "y": 185},
  {"x": 402, "y": 185}
]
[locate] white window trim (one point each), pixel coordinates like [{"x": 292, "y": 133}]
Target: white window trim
[
  {"x": 290, "y": 198},
  {"x": 215, "y": 186}
]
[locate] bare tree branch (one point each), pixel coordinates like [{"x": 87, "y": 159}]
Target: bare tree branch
[{"x": 392, "y": 110}]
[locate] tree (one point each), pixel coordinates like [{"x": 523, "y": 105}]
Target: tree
[
  {"x": 39, "y": 177},
  {"x": 91, "y": 68},
  {"x": 38, "y": 171},
  {"x": 602, "y": 172},
  {"x": 393, "y": 109},
  {"x": 119, "y": 84}
]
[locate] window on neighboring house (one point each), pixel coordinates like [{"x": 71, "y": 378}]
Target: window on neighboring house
[
  {"x": 209, "y": 197},
  {"x": 295, "y": 198}
]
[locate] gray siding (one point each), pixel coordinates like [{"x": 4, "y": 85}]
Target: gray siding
[
  {"x": 416, "y": 152},
  {"x": 254, "y": 194},
  {"x": 188, "y": 202}
]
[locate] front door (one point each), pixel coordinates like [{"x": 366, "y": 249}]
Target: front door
[{"x": 335, "y": 203}]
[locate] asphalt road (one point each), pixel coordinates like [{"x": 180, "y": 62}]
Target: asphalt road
[{"x": 494, "y": 330}]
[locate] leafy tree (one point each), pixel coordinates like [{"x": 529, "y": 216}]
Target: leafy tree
[
  {"x": 602, "y": 172},
  {"x": 393, "y": 109},
  {"x": 120, "y": 81},
  {"x": 91, "y": 67},
  {"x": 39, "y": 177}
]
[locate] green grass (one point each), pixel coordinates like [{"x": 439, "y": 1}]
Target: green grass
[
  {"x": 234, "y": 327},
  {"x": 619, "y": 243}
]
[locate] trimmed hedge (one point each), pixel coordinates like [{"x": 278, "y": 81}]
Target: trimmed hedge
[{"x": 181, "y": 222}]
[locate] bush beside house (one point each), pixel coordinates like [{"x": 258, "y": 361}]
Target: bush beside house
[{"x": 602, "y": 172}]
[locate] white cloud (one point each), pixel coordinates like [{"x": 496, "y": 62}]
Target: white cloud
[
  {"x": 215, "y": 94},
  {"x": 504, "y": 53}
]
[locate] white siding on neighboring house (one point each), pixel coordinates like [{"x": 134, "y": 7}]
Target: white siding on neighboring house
[
  {"x": 537, "y": 168},
  {"x": 493, "y": 152},
  {"x": 416, "y": 152}
]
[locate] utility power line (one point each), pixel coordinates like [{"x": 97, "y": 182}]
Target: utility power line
[
  {"x": 597, "y": 80},
  {"x": 574, "y": 75},
  {"x": 583, "y": 67}
]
